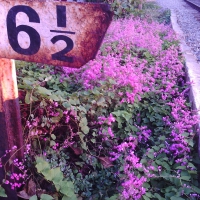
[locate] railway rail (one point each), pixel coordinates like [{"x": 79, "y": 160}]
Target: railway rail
[{"x": 194, "y": 3}]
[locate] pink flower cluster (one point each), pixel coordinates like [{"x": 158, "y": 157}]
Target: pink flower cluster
[
  {"x": 183, "y": 122},
  {"x": 132, "y": 77},
  {"x": 108, "y": 120},
  {"x": 132, "y": 185}
]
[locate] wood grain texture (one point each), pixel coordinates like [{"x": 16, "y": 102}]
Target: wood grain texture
[{"x": 10, "y": 120}]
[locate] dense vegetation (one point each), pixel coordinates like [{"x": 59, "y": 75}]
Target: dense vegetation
[{"x": 121, "y": 127}]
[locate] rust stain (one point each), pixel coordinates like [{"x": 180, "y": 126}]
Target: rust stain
[{"x": 89, "y": 22}]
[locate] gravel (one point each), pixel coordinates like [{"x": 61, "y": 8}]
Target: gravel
[{"x": 189, "y": 21}]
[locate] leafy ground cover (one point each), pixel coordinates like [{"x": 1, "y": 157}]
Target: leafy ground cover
[{"x": 120, "y": 127}]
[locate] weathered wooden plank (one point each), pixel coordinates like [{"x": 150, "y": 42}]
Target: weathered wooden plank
[{"x": 10, "y": 120}]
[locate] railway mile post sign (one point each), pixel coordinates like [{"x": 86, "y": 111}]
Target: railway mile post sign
[{"x": 57, "y": 33}]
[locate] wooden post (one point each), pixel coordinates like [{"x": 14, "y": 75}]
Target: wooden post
[{"x": 10, "y": 120}]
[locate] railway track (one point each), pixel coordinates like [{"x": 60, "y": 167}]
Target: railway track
[{"x": 194, "y": 3}]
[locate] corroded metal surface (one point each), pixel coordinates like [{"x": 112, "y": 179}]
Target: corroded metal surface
[{"x": 62, "y": 33}]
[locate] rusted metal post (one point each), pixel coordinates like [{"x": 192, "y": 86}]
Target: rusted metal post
[{"x": 10, "y": 120}]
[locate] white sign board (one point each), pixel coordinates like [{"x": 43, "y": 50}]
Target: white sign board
[{"x": 57, "y": 33}]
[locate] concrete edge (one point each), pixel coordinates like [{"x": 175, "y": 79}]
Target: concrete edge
[{"x": 192, "y": 70}]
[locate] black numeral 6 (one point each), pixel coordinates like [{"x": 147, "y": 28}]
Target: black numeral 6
[{"x": 13, "y": 31}]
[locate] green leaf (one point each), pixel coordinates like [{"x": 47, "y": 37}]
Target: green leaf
[
  {"x": 66, "y": 198},
  {"x": 152, "y": 119},
  {"x": 127, "y": 115},
  {"x": 70, "y": 198},
  {"x": 28, "y": 81},
  {"x": 163, "y": 138},
  {"x": 175, "y": 181},
  {"x": 181, "y": 167},
  {"x": 48, "y": 78},
  {"x": 185, "y": 175},
  {"x": 28, "y": 97},
  {"x": 56, "y": 119},
  {"x": 57, "y": 187},
  {"x": 188, "y": 190},
  {"x": 146, "y": 185},
  {"x": 54, "y": 97},
  {"x": 196, "y": 189},
  {"x": 69, "y": 184},
  {"x": 123, "y": 114},
  {"x": 83, "y": 143},
  {"x": 156, "y": 148},
  {"x": 44, "y": 91},
  {"x": 164, "y": 174},
  {"x": 191, "y": 142},
  {"x": 2, "y": 192},
  {"x": 81, "y": 108},
  {"x": 143, "y": 161},
  {"x": 67, "y": 188},
  {"x": 166, "y": 166},
  {"x": 46, "y": 197},
  {"x": 114, "y": 197},
  {"x": 145, "y": 197},
  {"x": 169, "y": 189},
  {"x": 53, "y": 136},
  {"x": 158, "y": 196},
  {"x": 162, "y": 155},
  {"x": 150, "y": 155},
  {"x": 169, "y": 194},
  {"x": 43, "y": 103},
  {"x": 83, "y": 122},
  {"x": 67, "y": 105},
  {"x": 52, "y": 143},
  {"x": 56, "y": 175},
  {"x": 100, "y": 101},
  {"x": 74, "y": 101},
  {"x": 148, "y": 194},
  {"x": 185, "y": 134},
  {"x": 93, "y": 141},
  {"x": 34, "y": 197},
  {"x": 158, "y": 162},
  {"x": 42, "y": 164},
  {"x": 176, "y": 198},
  {"x": 69, "y": 193},
  {"x": 191, "y": 165},
  {"x": 192, "y": 172},
  {"x": 186, "y": 178},
  {"x": 85, "y": 129}
]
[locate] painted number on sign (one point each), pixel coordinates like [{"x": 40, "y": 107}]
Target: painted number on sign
[{"x": 35, "y": 41}]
